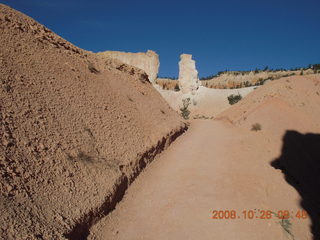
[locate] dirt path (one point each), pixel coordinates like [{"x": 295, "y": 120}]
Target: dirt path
[{"x": 214, "y": 166}]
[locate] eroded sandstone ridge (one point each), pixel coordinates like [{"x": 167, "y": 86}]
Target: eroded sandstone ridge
[
  {"x": 148, "y": 62},
  {"x": 188, "y": 74},
  {"x": 75, "y": 130},
  {"x": 241, "y": 79}
]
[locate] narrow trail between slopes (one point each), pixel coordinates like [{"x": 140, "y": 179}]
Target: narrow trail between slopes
[{"x": 213, "y": 166}]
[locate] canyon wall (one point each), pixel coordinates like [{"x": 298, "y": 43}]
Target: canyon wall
[
  {"x": 240, "y": 79},
  {"x": 148, "y": 62}
]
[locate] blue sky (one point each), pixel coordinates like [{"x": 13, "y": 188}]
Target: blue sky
[{"x": 226, "y": 34}]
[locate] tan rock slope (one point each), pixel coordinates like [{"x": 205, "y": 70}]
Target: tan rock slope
[
  {"x": 75, "y": 131},
  {"x": 287, "y": 111},
  {"x": 287, "y": 103}
]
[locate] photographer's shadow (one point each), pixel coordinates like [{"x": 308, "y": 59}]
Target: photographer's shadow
[{"x": 300, "y": 163}]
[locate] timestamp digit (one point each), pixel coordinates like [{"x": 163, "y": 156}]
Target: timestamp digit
[
  {"x": 301, "y": 214},
  {"x": 263, "y": 213},
  {"x": 233, "y": 214},
  {"x": 215, "y": 214},
  {"x": 227, "y": 214},
  {"x": 304, "y": 214},
  {"x": 221, "y": 214},
  {"x": 286, "y": 214},
  {"x": 248, "y": 214},
  {"x": 268, "y": 214},
  {"x": 283, "y": 214}
]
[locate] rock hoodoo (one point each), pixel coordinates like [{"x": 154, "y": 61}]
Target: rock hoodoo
[
  {"x": 148, "y": 62},
  {"x": 188, "y": 74}
]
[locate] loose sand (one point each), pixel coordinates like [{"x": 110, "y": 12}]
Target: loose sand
[{"x": 214, "y": 166}]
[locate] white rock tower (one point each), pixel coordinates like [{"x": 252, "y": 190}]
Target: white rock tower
[{"x": 188, "y": 74}]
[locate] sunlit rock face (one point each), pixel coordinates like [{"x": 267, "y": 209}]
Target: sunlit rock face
[
  {"x": 188, "y": 74},
  {"x": 148, "y": 62}
]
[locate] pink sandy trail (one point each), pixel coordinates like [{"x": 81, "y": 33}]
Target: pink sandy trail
[{"x": 213, "y": 166}]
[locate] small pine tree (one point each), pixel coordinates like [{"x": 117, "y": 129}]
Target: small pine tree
[{"x": 234, "y": 98}]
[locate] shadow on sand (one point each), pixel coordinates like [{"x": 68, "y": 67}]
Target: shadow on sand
[{"x": 300, "y": 163}]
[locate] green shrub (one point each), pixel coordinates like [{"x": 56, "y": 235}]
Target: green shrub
[
  {"x": 247, "y": 84},
  {"x": 184, "y": 110},
  {"x": 234, "y": 98},
  {"x": 256, "y": 127},
  {"x": 177, "y": 88}
]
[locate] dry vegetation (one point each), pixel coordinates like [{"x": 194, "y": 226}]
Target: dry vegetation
[
  {"x": 241, "y": 79},
  {"x": 168, "y": 84}
]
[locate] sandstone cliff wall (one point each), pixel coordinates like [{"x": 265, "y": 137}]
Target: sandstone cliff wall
[{"x": 148, "y": 62}]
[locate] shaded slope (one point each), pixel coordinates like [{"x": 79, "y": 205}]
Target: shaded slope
[{"x": 74, "y": 130}]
